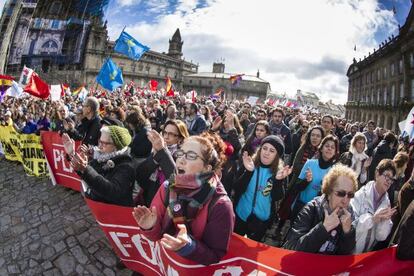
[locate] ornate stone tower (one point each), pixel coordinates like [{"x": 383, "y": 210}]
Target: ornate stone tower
[
  {"x": 218, "y": 67},
  {"x": 176, "y": 45}
]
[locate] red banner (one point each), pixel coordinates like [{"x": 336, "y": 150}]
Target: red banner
[
  {"x": 245, "y": 257},
  {"x": 60, "y": 170}
]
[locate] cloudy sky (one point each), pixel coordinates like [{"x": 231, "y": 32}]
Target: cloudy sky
[{"x": 296, "y": 44}]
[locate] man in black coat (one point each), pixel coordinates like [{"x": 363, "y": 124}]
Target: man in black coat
[{"x": 89, "y": 129}]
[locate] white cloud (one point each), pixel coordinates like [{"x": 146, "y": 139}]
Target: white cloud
[
  {"x": 124, "y": 3},
  {"x": 296, "y": 44}
]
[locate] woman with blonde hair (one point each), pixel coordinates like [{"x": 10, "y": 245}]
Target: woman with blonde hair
[
  {"x": 356, "y": 158},
  {"x": 324, "y": 225}
]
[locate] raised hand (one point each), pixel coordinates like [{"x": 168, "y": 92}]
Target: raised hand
[
  {"x": 248, "y": 162},
  {"x": 331, "y": 221},
  {"x": 68, "y": 144},
  {"x": 308, "y": 175},
  {"x": 176, "y": 243},
  {"x": 145, "y": 217},
  {"x": 156, "y": 140},
  {"x": 79, "y": 162},
  {"x": 383, "y": 214},
  {"x": 217, "y": 123},
  {"x": 367, "y": 163},
  {"x": 283, "y": 173},
  {"x": 346, "y": 221}
]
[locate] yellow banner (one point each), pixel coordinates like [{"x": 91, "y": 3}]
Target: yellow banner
[{"x": 25, "y": 148}]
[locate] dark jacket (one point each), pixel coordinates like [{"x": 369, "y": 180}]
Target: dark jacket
[
  {"x": 242, "y": 182},
  {"x": 88, "y": 131},
  {"x": 382, "y": 151},
  {"x": 198, "y": 126},
  {"x": 110, "y": 185},
  {"x": 405, "y": 197},
  {"x": 140, "y": 145},
  {"x": 308, "y": 233},
  {"x": 345, "y": 143},
  {"x": 405, "y": 248},
  {"x": 284, "y": 132},
  {"x": 296, "y": 138},
  {"x": 144, "y": 171}
]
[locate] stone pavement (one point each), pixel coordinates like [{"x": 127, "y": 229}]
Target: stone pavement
[{"x": 47, "y": 230}]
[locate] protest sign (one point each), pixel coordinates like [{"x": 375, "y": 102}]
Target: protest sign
[{"x": 244, "y": 257}]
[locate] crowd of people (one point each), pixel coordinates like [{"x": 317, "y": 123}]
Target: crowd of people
[{"x": 197, "y": 171}]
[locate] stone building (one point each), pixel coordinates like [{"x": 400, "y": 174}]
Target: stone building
[
  {"x": 67, "y": 42},
  {"x": 381, "y": 86},
  {"x": 208, "y": 83},
  {"x": 307, "y": 98}
]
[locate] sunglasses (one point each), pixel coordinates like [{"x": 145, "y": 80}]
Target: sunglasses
[{"x": 344, "y": 194}]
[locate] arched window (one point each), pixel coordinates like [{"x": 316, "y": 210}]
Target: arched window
[
  {"x": 49, "y": 47},
  {"x": 55, "y": 7}
]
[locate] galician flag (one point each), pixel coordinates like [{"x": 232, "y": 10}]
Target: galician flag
[
  {"x": 129, "y": 46},
  {"x": 110, "y": 76}
]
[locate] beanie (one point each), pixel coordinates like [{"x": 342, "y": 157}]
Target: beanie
[
  {"x": 120, "y": 136},
  {"x": 276, "y": 142}
]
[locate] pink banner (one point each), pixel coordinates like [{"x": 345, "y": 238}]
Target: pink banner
[
  {"x": 245, "y": 257},
  {"x": 61, "y": 172}
]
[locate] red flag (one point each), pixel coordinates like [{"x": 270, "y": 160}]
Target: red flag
[
  {"x": 153, "y": 85},
  {"x": 37, "y": 87}
]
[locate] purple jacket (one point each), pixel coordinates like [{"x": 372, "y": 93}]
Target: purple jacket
[{"x": 212, "y": 229}]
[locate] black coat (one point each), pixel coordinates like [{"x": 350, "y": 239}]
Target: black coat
[
  {"x": 163, "y": 159},
  {"x": 308, "y": 233},
  {"x": 382, "y": 151},
  {"x": 110, "y": 185},
  {"x": 88, "y": 131},
  {"x": 405, "y": 248},
  {"x": 140, "y": 145}
]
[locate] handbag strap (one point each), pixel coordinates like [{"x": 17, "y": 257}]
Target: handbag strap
[{"x": 255, "y": 190}]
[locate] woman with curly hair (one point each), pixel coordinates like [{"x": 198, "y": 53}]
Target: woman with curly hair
[{"x": 191, "y": 201}]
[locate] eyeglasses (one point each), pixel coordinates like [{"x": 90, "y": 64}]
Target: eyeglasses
[
  {"x": 189, "y": 155},
  {"x": 105, "y": 143},
  {"x": 389, "y": 179},
  {"x": 343, "y": 194},
  {"x": 169, "y": 134}
]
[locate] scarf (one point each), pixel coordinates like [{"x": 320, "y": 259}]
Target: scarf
[
  {"x": 188, "y": 193},
  {"x": 357, "y": 159},
  {"x": 325, "y": 164},
  {"x": 101, "y": 157},
  {"x": 308, "y": 153}
]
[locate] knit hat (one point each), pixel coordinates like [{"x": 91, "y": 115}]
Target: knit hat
[
  {"x": 276, "y": 142},
  {"x": 120, "y": 136}
]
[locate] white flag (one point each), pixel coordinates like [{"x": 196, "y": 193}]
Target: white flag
[
  {"x": 14, "y": 91},
  {"x": 55, "y": 92},
  {"x": 83, "y": 94},
  {"x": 25, "y": 76},
  {"x": 409, "y": 125}
]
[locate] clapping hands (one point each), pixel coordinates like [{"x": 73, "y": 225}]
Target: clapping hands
[
  {"x": 283, "y": 173},
  {"x": 248, "y": 162}
]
